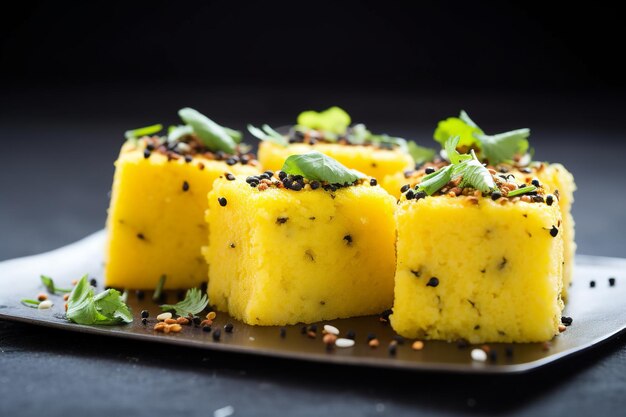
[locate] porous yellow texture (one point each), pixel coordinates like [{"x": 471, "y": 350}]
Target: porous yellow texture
[
  {"x": 557, "y": 177},
  {"x": 497, "y": 268},
  {"x": 281, "y": 256},
  {"x": 554, "y": 177},
  {"x": 370, "y": 160},
  {"x": 156, "y": 218}
]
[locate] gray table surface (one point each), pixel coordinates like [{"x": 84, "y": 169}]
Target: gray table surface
[{"x": 58, "y": 147}]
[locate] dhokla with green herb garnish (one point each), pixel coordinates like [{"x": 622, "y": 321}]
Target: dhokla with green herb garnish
[
  {"x": 314, "y": 241},
  {"x": 156, "y": 217},
  {"x": 477, "y": 259},
  {"x": 507, "y": 152},
  {"x": 330, "y": 132}
]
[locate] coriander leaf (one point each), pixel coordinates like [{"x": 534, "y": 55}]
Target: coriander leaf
[
  {"x": 475, "y": 175},
  {"x": 268, "y": 134},
  {"x": 503, "y": 146},
  {"x": 176, "y": 133},
  {"x": 523, "y": 190},
  {"x": 110, "y": 304},
  {"x": 30, "y": 303},
  {"x": 49, "y": 284},
  {"x": 465, "y": 117},
  {"x": 333, "y": 120},
  {"x": 193, "y": 303},
  {"x": 420, "y": 154},
  {"x": 106, "y": 308},
  {"x": 143, "y": 131},
  {"x": 434, "y": 182},
  {"x": 358, "y": 134},
  {"x": 317, "y": 166},
  {"x": 456, "y": 126},
  {"x": 454, "y": 156},
  {"x": 235, "y": 135},
  {"x": 212, "y": 135}
]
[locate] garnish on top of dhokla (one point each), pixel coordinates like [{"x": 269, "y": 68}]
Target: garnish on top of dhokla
[
  {"x": 289, "y": 246},
  {"x": 506, "y": 154},
  {"x": 310, "y": 171},
  {"x": 198, "y": 137},
  {"x": 156, "y": 216},
  {"x": 331, "y": 132}
]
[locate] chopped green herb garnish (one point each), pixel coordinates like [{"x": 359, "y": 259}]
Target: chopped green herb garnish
[
  {"x": 106, "y": 308},
  {"x": 195, "y": 301},
  {"x": 334, "y": 120},
  {"x": 523, "y": 190},
  {"x": 236, "y": 135},
  {"x": 317, "y": 166},
  {"x": 52, "y": 289},
  {"x": 474, "y": 173},
  {"x": 159, "y": 288},
  {"x": 212, "y": 135},
  {"x": 359, "y": 134},
  {"x": 268, "y": 134},
  {"x": 30, "y": 303},
  {"x": 143, "y": 131},
  {"x": 176, "y": 133},
  {"x": 420, "y": 154},
  {"x": 497, "y": 148}
]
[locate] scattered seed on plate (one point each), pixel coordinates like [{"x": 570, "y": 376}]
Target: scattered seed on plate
[
  {"x": 182, "y": 320},
  {"x": 169, "y": 321},
  {"x": 329, "y": 339},
  {"x": 164, "y": 316},
  {"x": 217, "y": 334},
  {"x": 66, "y": 297},
  {"x": 373, "y": 343},
  {"x": 344, "y": 343},
  {"x": 567, "y": 320},
  {"x": 42, "y": 297},
  {"x": 392, "y": 348},
  {"x": 331, "y": 329},
  {"x": 144, "y": 321},
  {"x": 45, "y": 305},
  {"x": 206, "y": 328},
  {"x": 211, "y": 315},
  {"x": 228, "y": 327},
  {"x": 612, "y": 282},
  {"x": 562, "y": 328},
  {"x": 351, "y": 335},
  {"x": 592, "y": 284},
  {"x": 417, "y": 345},
  {"x": 479, "y": 355},
  {"x": 546, "y": 346},
  {"x": 283, "y": 332}
]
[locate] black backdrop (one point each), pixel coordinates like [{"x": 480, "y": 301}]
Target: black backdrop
[{"x": 487, "y": 45}]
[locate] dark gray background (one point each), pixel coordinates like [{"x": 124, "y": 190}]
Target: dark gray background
[{"x": 73, "y": 78}]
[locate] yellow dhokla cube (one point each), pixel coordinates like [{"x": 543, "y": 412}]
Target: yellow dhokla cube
[
  {"x": 554, "y": 177},
  {"x": 278, "y": 256},
  {"x": 477, "y": 269},
  {"x": 156, "y": 217},
  {"x": 371, "y": 160}
]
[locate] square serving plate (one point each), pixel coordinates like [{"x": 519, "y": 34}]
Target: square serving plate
[{"x": 599, "y": 314}]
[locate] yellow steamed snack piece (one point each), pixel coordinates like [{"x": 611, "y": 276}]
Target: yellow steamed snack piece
[
  {"x": 553, "y": 177},
  {"x": 485, "y": 272},
  {"x": 370, "y": 160},
  {"x": 156, "y": 218},
  {"x": 281, "y": 256}
]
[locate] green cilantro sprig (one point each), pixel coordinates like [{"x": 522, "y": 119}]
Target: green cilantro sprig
[
  {"x": 496, "y": 148},
  {"x": 523, "y": 190},
  {"x": 106, "y": 308},
  {"x": 268, "y": 134},
  {"x": 52, "y": 289},
  {"x": 420, "y": 154},
  {"x": 143, "y": 131},
  {"x": 473, "y": 172},
  {"x": 195, "y": 301}
]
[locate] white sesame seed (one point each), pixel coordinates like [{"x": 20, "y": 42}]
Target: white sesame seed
[
  {"x": 164, "y": 316},
  {"x": 479, "y": 355},
  {"x": 251, "y": 338},
  {"x": 45, "y": 305},
  {"x": 331, "y": 329},
  {"x": 344, "y": 343},
  {"x": 227, "y": 411}
]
